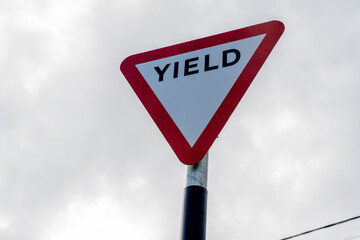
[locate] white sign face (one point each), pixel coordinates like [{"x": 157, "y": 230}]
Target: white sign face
[{"x": 191, "y": 86}]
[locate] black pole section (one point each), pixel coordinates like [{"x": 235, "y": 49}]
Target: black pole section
[{"x": 194, "y": 216}]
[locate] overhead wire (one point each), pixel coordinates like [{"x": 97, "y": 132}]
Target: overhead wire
[{"x": 320, "y": 228}]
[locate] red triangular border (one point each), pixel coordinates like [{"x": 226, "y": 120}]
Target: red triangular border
[{"x": 187, "y": 154}]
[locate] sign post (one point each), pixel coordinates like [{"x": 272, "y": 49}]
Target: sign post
[
  {"x": 195, "y": 201},
  {"x": 190, "y": 90}
]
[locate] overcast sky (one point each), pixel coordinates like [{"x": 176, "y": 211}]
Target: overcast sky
[{"x": 80, "y": 158}]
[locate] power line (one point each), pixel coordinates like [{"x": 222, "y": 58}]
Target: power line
[{"x": 327, "y": 226}]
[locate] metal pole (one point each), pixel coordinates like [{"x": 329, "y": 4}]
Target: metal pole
[{"x": 195, "y": 201}]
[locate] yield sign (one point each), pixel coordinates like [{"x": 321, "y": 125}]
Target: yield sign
[{"x": 191, "y": 89}]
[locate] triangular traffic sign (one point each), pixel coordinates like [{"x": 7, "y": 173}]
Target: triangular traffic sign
[{"x": 191, "y": 89}]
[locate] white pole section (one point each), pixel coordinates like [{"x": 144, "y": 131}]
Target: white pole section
[{"x": 197, "y": 174}]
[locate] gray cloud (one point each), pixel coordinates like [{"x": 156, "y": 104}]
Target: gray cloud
[{"x": 72, "y": 132}]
